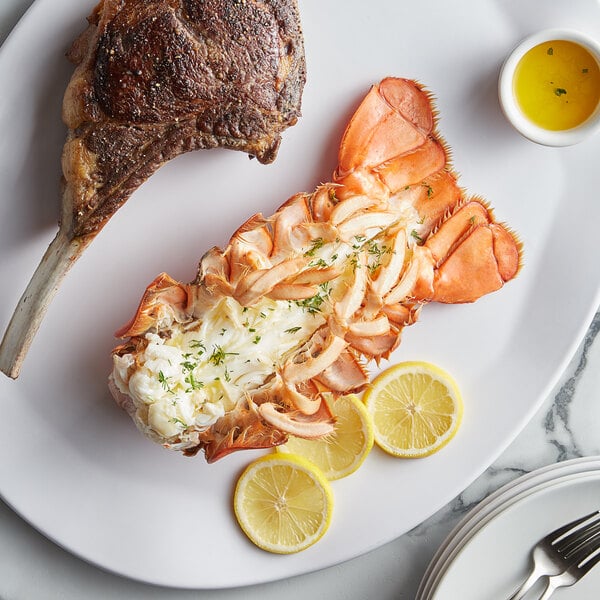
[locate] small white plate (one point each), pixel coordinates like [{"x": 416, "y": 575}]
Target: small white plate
[{"x": 487, "y": 554}]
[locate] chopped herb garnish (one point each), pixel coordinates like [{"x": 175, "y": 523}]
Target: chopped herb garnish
[
  {"x": 359, "y": 242},
  {"x": 194, "y": 385},
  {"x": 325, "y": 289},
  {"x": 314, "y": 246},
  {"x": 218, "y": 355},
  {"x": 179, "y": 421},
  {"x": 293, "y": 330},
  {"x": 550, "y": 51},
  {"x": 198, "y": 344},
  {"x": 429, "y": 189},
  {"x": 377, "y": 252},
  {"x": 312, "y": 304},
  {"x": 375, "y": 249},
  {"x": 164, "y": 381},
  {"x": 560, "y": 91},
  {"x": 188, "y": 365},
  {"x": 417, "y": 237},
  {"x": 354, "y": 261},
  {"x": 585, "y": 70},
  {"x": 318, "y": 263},
  {"x": 256, "y": 339}
]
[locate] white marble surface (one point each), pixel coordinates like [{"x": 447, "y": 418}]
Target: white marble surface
[{"x": 31, "y": 567}]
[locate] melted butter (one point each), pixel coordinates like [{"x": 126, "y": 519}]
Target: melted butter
[{"x": 557, "y": 85}]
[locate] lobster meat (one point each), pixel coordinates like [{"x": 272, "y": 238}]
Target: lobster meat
[{"x": 298, "y": 302}]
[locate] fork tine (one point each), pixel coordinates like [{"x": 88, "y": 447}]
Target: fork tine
[
  {"x": 587, "y": 552},
  {"x": 581, "y": 538},
  {"x": 590, "y": 561},
  {"x": 561, "y": 531},
  {"x": 584, "y": 537},
  {"x": 566, "y": 534}
]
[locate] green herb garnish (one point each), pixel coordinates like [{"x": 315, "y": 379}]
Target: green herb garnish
[
  {"x": 199, "y": 345},
  {"x": 312, "y": 305},
  {"x": 377, "y": 252},
  {"x": 314, "y": 246},
  {"x": 194, "y": 385},
  {"x": 164, "y": 381},
  {"x": 218, "y": 355},
  {"x": 318, "y": 263},
  {"x": 417, "y": 237}
]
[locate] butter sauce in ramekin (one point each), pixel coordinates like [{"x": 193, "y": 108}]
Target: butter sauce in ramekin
[{"x": 549, "y": 87}]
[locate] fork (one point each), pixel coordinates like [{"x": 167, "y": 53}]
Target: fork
[
  {"x": 584, "y": 559},
  {"x": 564, "y": 555}
]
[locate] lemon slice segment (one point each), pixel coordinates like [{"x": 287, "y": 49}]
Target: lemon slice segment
[
  {"x": 416, "y": 409},
  {"x": 283, "y": 503},
  {"x": 343, "y": 451}
]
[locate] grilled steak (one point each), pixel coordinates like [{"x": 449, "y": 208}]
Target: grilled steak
[
  {"x": 154, "y": 79},
  {"x": 159, "y": 78}
]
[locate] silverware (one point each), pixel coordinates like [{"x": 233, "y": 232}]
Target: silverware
[
  {"x": 564, "y": 555},
  {"x": 585, "y": 559}
]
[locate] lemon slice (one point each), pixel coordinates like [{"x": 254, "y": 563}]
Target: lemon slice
[
  {"x": 283, "y": 503},
  {"x": 416, "y": 409},
  {"x": 342, "y": 452}
]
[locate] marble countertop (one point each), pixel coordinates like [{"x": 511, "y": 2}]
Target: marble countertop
[{"x": 33, "y": 567}]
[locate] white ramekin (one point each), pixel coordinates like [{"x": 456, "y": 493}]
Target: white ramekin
[{"x": 513, "y": 113}]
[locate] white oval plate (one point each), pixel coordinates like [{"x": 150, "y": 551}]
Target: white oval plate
[{"x": 72, "y": 463}]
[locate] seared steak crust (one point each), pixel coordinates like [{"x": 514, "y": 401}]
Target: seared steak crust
[{"x": 158, "y": 78}]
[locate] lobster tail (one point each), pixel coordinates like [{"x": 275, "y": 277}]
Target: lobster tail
[{"x": 296, "y": 303}]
